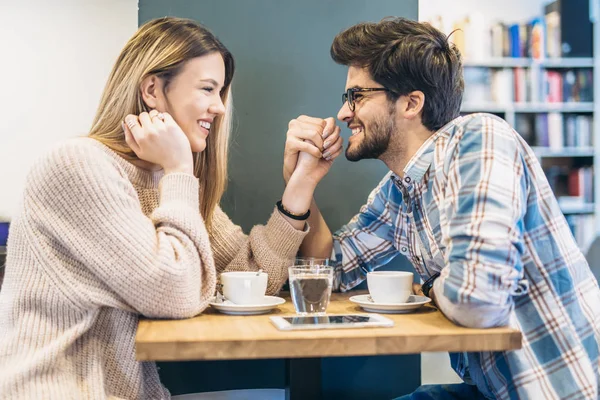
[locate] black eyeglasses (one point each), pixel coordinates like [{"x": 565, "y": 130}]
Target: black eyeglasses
[{"x": 350, "y": 95}]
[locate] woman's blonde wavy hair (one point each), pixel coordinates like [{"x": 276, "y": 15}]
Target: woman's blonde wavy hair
[{"x": 161, "y": 47}]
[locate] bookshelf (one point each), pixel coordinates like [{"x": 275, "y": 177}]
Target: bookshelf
[
  {"x": 588, "y": 208},
  {"x": 541, "y": 152},
  {"x": 558, "y": 126},
  {"x": 536, "y": 64},
  {"x": 510, "y": 109},
  {"x": 508, "y": 62},
  {"x": 537, "y": 96}
]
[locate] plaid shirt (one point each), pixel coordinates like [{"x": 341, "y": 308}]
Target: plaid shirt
[{"x": 475, "y": 205}]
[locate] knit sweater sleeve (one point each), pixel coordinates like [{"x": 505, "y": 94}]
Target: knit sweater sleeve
[
  {"x": 270, "y": 247},
  {"x": 88, "y": 229}
]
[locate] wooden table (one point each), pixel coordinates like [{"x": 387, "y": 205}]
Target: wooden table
[{"x": 215, "y": 336}]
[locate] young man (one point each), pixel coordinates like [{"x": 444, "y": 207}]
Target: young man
[{"x": 468, "y": 203}]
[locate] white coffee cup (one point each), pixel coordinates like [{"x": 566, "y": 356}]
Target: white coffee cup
[
  {"x": 390, "y": 286},
  {"x": 244, "y": 287}
]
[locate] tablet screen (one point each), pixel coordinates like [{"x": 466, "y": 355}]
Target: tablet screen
[
  {"x": 301, "y": 322},
  {"x": 328, "y": 319}
]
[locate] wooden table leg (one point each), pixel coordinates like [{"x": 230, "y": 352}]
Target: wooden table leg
[{"x": 303, "y": 379}]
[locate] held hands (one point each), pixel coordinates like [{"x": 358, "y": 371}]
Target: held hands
[
  {"x": 155, "y": 137},
  {"x": 310, "y": 148}
]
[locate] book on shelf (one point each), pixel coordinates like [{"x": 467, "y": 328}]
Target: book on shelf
[
  {"x": 580, "y": 218},
  {"x": 570, "y": 184},
  {"x": 556, "y": 131},
  {"x": 578, "y": 131},
  {"x": 583, "y": 228},
  {"x": 552, "y": 28},
  {"x": 528, "y": 85},
  {"x": 569, "y": 28},
  {"x": 581, "y": 182},
  {"x": 562, "y": 29},
  {"x": 516, "y": 40}
]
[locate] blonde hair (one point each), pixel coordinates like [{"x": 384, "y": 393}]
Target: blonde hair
[{"x": 161, "y": 47}]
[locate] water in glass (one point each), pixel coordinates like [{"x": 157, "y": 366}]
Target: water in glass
[{"x": 310, "y": 288}]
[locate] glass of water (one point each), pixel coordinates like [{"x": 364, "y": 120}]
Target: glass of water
[{"x": 311, "y": 280}]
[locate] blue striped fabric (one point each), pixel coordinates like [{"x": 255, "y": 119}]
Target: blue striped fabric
[{"x": 475, "y": 205}]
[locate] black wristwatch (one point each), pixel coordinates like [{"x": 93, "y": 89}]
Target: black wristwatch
[{"x": 428, "y": 284}]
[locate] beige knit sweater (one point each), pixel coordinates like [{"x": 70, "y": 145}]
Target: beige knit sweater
[{"x": 97, "y": 243}]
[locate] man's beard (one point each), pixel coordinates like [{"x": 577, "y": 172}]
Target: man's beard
[{"x": 376, "y": 140}]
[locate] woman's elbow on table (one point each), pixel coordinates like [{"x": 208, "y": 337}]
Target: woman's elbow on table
[
  {"x": 179, "y": 312},
  {"x": 183, "y": 298},
  {"x": 174, "y": 306}
]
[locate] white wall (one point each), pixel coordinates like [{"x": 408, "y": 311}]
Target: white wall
[{"x": 56, "y": 56}]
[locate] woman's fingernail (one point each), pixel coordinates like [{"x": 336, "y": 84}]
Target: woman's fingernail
[
  {"x": 325, "y": 133},
  {"x": 326, "y": 154},
  {"x": 326, "y": 144}
]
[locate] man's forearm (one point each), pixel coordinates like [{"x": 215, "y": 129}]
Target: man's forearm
[{"x": 318, "y": 242}]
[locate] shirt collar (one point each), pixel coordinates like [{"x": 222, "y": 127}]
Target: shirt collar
[{"x": 419, "y": 163}]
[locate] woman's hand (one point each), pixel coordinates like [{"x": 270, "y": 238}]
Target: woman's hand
[
  {"x": 155, "y": 137},
  {"x": 311, "y": 146}
]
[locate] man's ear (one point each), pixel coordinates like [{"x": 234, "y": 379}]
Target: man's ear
[
  {"x": 151, "y": 91},
  {"x": 414, "y": 103}
]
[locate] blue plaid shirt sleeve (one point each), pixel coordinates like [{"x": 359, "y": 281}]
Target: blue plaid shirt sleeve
[
  {"x": 367, "y": 241},
  {"x": 486, "y": 195}
]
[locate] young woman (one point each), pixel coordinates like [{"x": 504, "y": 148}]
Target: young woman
[{"x": 126, "y": 222}]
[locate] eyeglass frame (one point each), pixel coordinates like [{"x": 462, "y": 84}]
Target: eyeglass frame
[{"x": 348, "y": 96}]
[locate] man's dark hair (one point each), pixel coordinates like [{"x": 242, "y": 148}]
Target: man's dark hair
[{"x": 403, "y": 56}]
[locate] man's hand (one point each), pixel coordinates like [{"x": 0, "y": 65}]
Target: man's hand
[
  {"x": 418, "y": 290},
  {"x": 310, "y": 148}
]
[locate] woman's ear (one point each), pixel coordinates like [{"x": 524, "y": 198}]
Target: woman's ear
[{"x": 151, "y": 89}]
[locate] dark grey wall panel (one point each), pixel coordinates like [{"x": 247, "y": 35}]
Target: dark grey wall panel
[{"x": 283, "y": 70}]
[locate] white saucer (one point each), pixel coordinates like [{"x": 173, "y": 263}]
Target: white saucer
[
  {"x": 413, "y": 303},
  {"x": 227, "y": 307}
]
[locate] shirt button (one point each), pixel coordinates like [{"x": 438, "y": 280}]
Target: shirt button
[
  {"x": 407, "y": 179},
  {"x": 404, "y": 249}
]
